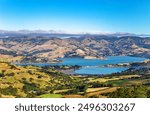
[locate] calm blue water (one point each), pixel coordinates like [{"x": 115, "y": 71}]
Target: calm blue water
[
  {"x": 97, "y": 62},
  {"x": 93, "y": 66}
]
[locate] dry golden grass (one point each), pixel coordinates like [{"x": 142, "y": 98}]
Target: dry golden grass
[
  {"x": 139, "y": 81},
  {"x": 129, "y": 76},
  {"x": 61, "y": 91},
  {"x": 101, "y": 80},
  {"x": 98, "y": 79},
  {"x": 7, "y": 96},
  {"x": 9, "y": 58},
  {"x": 108, "y": 90},
  {"x": 73, "y": 96},
  {"x": 95, "y": 89}
]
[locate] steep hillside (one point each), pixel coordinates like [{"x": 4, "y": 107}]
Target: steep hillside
[{"x": 90, "y": 45}]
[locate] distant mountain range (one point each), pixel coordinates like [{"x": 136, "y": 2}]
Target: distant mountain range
[
  {"x": 48, "y": 47},
  {"x": 31, "y": 32},
  {"x": 43, "y": 32}
]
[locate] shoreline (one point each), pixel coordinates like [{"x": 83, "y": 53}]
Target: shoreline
[{"x": 69, "y": 72}]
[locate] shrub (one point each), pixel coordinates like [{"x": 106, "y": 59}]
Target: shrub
[
  {"x": 31, "y": 79},
  {"x": 29, "y": 87},
  {"x": 9, "y": 91},
  {"x": 13, "y": 67},
  {"x": 81, "y": 88},
  {"x": 30, "y": 72},
  {"x": 148, "y": 93},
  {"x": 73, "y": 91},
  {"x": 1, "y": 75},
  {"x": 39, "y": 76},
  {"x": 11, "y": 74},
  {"x": 24, "y": 79}
]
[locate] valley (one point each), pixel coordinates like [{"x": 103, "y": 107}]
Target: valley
[{"x": 52, "y": 67}]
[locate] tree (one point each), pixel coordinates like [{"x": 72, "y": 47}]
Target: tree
[
  {"x": 82, "y": 88},
  {"x": 29, "y": 87},
  {"x": 137, "y": 91},
  {"x": 148, "y": 93}
]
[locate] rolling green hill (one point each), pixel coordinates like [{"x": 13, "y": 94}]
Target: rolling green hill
[{"x": 40, "y": 82}]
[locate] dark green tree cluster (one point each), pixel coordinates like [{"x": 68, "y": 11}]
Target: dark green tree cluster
[
  {"x": 80, "y": 88},
  {"x": 137, "y": 91},
  {"x": 29, "y": 87}
]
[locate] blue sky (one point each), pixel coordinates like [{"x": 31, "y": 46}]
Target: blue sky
[{"x": 131, "y": 16}]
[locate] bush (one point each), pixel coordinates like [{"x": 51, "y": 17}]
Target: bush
[
  {"x": 11, "y": 74},
  {"x": 9, "y": 91},
  {"x": 29, "y": 87},
  {"x": 148, "y": 94},
  {"x": 13, "y": 67},
  {"x": 97, "y": 84},
  {"x": 73, "y": 91},
  {"x": 1, "y": 75},
  {"x": 39, "y": 76},
  {"x": 31, "y": 79},
  {"x": 81, "y": 88},
  {"x": 94, "y": 96},
  {"x": 30, "y": 72},
  {"x": 24, "y": 79}
]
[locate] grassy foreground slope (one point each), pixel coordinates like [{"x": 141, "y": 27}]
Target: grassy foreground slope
[{"x": 31, "y": 81}]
